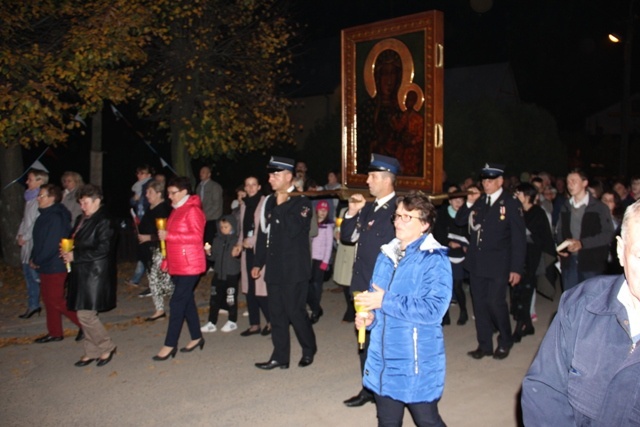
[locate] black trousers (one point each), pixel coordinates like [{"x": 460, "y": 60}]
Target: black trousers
[
  {"x": 183, "y": 308},
  {"x": 315, "y": 286},
  {"x": 363, "y": 358},
  {"x": 489, "y": 298},
  {"x": 287, "y": 305},
  {"x": 391, "y": 411}
]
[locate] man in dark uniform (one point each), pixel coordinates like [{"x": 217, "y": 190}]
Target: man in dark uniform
[
  {"x": 495, "y": 258},
  {"x": 369, "y": 224},
  {"x": 283, "y": 246}
]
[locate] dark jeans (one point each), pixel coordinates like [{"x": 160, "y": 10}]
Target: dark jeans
[
  {"x": 391, "y": 411},
  {"x": 222, "y": 292},
  {"x": 183, "y": 307},
  {"x": 572, "y": 275}
]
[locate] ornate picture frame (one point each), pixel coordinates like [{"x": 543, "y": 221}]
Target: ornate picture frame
[{"x": 392, "y": 99}]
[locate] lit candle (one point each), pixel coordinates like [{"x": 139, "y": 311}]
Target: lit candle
[
  {"x": 67, "y": 246},
  {"x": 161, "y": 224}
]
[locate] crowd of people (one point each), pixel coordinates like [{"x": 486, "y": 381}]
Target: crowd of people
[{"x": 400, "y": 262}]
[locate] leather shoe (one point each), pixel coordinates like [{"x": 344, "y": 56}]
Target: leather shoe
[
  {"x": 479, "y": 353},
  {"x": 305, "y": 361},
  {"x": 83, "y": 362},
  {"x": 271, "y": 364},
  {"x": 250, "y": 332},
  {"x": 102, "y": 362},
  {"x": 48, "y": 338},
  {"x": 501, "y": 353},
  {"x": 266, "y": 331},
  {"x": 358, "y": 400}
]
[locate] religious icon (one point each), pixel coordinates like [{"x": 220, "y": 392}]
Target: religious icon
[{"x": 392, "y": 94}]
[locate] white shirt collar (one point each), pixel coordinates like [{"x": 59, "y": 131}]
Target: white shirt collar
[
  {"x": 385, "y": 199},
  {"x": 495, "y": 196},
  {"x": 583, "y": 202}
]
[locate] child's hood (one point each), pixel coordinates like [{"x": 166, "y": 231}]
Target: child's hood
[{"x": 231, "y": 219}]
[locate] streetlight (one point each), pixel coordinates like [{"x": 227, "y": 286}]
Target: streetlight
[{"x": 625, "y": 116}]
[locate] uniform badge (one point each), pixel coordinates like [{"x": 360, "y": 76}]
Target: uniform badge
[
  {"x": 370, "y": 224},
  {"x": 305, "y": 212},
  {"x": 503, "y": 211}
]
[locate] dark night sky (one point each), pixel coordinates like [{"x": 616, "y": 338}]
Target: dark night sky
[{"x": 558, "y": 49}]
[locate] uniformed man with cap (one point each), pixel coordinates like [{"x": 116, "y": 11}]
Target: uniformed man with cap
[
  {"x": 495, "y": 258},
  {"x": 283, "y": 246},
  {"x": 369, "y": 225}
]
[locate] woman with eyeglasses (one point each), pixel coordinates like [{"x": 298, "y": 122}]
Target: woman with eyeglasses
[
  {"x": 185, "y": 263},
  {"x": 160, "y": 285},
  {"x": 409, "y": 294}
]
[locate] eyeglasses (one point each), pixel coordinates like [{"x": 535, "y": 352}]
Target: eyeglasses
[
  {"x": 42, "y": 196},
  {"x": 404, "y": 217}
]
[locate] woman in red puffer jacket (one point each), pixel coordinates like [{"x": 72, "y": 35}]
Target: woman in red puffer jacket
[{"x": 185, "y": 263}]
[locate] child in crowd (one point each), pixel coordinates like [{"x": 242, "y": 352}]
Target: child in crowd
[
  {"x": 321, "y": 248},
  {"x": 224, "y": 286}
]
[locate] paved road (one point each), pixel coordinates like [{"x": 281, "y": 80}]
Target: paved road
[{"x": 219, "y": 386}]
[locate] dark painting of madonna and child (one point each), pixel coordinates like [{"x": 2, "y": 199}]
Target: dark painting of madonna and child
[{"x": 392, "y": 94}]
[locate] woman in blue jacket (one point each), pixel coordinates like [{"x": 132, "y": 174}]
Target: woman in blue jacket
[{"x": 410, "y": 292}]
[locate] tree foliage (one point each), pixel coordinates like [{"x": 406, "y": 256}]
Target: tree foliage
[
  {"x": 62, "y": 58},
  {"x": 208, "y": 70},
  {"x": 213, "y": 74}
]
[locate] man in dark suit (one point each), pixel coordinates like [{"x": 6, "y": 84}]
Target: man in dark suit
[
  {"x": 495, "y": 258},
  {"x": 369, "y": 225},
  {"x": 283, "y": 246}
]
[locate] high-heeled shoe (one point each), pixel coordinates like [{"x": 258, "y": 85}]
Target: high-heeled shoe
[
  {"x": 102, "y": 362},
  {"x": 27, "y": 314},
  {"x": 190, "y": 349},
  {"x": 171, "y": 354},
  {"x": 83, "y": 362}
]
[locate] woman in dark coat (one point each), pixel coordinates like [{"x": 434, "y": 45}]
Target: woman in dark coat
[
  {"x": 53, "y": 224},
  {"x": 92, "y": 281}
]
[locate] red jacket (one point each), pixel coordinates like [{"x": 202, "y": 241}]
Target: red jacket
[{"x": 185, "y": 239}]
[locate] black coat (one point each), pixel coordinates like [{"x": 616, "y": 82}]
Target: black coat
[
  {"x": 370, "y": 229},
  {"x": 497, "y": 237},
  {"x": 92, "y": 282},
  {"x": 286, "y": 249}
]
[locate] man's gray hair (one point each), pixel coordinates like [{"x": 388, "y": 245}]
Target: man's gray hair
[{"x": 631, "y": 214}]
